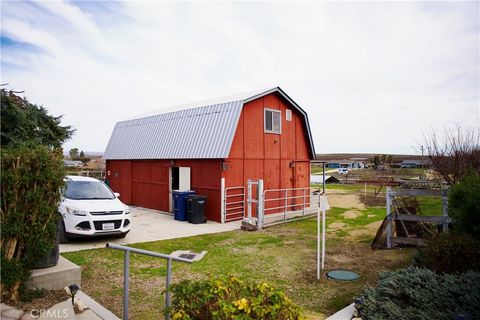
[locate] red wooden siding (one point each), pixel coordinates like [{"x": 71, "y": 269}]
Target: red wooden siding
[
  {"x": 145, "y": 183},
  {"x": 119, "y": 175},
  {"x": 282, "y": 160}
]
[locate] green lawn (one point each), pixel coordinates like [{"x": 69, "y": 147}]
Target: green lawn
[{"x": 283, "y": 255}]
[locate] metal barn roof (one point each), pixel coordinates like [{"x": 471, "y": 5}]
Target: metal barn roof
[{"x": 201, "y": 130}]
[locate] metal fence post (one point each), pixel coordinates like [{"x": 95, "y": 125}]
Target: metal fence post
[
  {"x": 445, "y": 210},
  {"x": 389, "y": 218},
  {"x": 318, "y": 241},
  {"x": 126, "y": 271},
  {"x": 304, "y": 202},
  {"x": 249, "y": 200},
  {"x": 223, "y": 204},
  {"x": 286, "y": 205},
  {"x": 167, "y": 288},
  {"x": 324, "y": 224},
  {"x": 260, "y": 205}
]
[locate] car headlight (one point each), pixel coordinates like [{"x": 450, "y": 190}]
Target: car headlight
[
  {"x": 127, "y": 211},
  {"x": 76, "y": 212}
]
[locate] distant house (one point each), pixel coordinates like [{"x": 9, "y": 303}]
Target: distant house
[
  {"x": 349, "y": 164},
  {"x": 415, "y": 163},
  {"x": 73, "y": 163}
]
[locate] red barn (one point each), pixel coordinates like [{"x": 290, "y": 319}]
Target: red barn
[{"x": 256, "y": 135}]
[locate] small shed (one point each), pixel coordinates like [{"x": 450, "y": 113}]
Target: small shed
[
  {"x": 318, "y": 179},
  {"x": 256, "y": 135}
]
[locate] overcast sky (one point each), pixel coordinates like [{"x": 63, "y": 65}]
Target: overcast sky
[{"x": 372, "y": 76}]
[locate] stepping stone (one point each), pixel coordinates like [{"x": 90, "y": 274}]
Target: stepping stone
[
  {"x": 62, "y": 310},
  {"x": 4, "y": 307},
  {"x": 28, "y": 316},
  {"x": 87, "y": 315},
  {"x": 12, "y": 313}
]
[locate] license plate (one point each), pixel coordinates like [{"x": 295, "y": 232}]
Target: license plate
[{"x": 108, "y": 226}]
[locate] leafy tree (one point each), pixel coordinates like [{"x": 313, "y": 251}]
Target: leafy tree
[
  {"x": 464, "y": 204},
  {"x": 85, "y": 160},
  {"x": 32, "y": 176},
  {"x": 73, "y": 153},
  {"x": 82, "y": 154},
  {"x": 383, "y": 159},
  {"x": 390, "y": 159},
  {"x": 376, "y": 161},
  {"x": 26, "y": 123},
  {"x": 455, "y": 154}
]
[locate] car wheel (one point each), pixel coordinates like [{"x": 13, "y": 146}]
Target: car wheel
[{"x": 62, "y": 234}]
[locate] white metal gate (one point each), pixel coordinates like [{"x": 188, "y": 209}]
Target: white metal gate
[
  {"x": 234, "y": 204},
  {"x": 261, "y": 207},
  {"x": 240, "y": 202},
  {"x": 283, "y": 205}
]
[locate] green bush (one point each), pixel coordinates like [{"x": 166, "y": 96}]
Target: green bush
[
  {"x": 448, "y": 253},
  {"x": 32, "y": 178},
  {"x": 417, "y": 294},
  {"x": 25, "y": 123},
  {"x": 230, "y": 298},
  {"x": 464, "y": 204}
]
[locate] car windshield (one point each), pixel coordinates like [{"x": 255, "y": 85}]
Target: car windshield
[{"x": 87, "y": 190}]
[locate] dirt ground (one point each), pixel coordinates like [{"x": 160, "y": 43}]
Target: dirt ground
[
  {"x": 49, "y": 299},
  {"x": 351, "y": 214},
  {"x": 344, "y": 199},
  {"x": 369, "y": 229}
]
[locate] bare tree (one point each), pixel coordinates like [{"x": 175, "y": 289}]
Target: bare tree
[{"x": 455, "y": 153}]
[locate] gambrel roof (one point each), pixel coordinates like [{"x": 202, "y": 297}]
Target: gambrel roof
[{"x": 200, "y": 130}]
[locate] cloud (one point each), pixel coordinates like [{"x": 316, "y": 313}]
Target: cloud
[{"x": 372, "y": 76}]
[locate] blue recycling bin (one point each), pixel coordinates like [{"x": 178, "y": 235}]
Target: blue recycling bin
[{"x": 180, "y": 204}]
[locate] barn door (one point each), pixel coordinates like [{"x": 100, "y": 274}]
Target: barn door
[
  {"x": 180, "y": 181},
  {"x": 184, "y": 178}
]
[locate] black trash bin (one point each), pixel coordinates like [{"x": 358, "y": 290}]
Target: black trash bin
[{"x": 196, "y": 209}]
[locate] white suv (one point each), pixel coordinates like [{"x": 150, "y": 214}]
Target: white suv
[
  {"x": 89, "y": 208},
  {"x": 342, "y": 170}
]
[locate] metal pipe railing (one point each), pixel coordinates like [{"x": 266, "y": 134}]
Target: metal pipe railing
[
  {"x": 230, "y": 212},
  {"x": 126, "y": 272}
]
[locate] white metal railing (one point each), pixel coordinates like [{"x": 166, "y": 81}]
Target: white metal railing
[
  {"x": 126, "y": 272},
  {"x": 281, "y": 205},
  {"x": 234, "y": 203}
]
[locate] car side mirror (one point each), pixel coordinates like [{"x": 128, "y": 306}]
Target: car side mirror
[{"x": 116, "y": 194}]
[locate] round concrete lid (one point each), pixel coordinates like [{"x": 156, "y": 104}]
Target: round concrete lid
[{"x": 343, "y": 275}]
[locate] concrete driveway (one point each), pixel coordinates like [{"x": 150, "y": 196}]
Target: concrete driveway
[{"x": 151, "y": 225}]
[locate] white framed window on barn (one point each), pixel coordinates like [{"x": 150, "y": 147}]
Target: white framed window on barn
[{"x": 273, "y": 121}]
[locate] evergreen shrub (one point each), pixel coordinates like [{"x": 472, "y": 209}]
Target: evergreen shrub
[
  {"x": 31, "y": 182},
  {"x": 421, "y": 294},
  {"x": 448, "y": 253},
  {"x": 464, "y": 204}
]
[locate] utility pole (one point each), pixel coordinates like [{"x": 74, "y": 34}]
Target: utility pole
[{"x": 423, "y": 173}]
